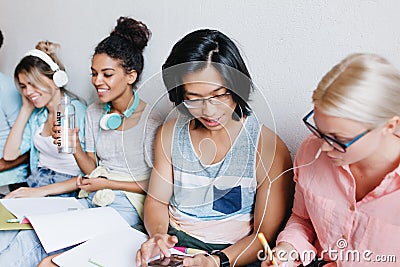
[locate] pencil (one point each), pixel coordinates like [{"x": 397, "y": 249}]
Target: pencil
[
  {"x": 267, "y": 249},
  {"x": 95, "y": 263},
  {"x": 191, "y": 251}
]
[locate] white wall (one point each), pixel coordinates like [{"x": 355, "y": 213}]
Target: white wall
[{"x": 288, "y": 44}]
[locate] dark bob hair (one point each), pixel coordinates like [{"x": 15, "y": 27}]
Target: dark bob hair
[{"x": 195, "y": 52}]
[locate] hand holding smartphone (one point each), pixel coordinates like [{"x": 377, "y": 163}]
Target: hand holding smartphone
[{"x": 174, "y": 260}]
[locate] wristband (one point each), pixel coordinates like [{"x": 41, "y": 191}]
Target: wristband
[{"x": 223, "y": 259}]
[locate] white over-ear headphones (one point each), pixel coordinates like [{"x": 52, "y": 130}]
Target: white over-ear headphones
[
  {"x": 60, "y": 77},
  {"x": 113, "y": 120}
]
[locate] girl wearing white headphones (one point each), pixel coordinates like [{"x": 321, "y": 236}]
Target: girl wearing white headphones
[
  {"x": 119, "y": 133},
  {"x": 41, "y": 79}
]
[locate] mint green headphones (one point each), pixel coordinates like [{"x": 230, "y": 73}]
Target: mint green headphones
[{"x": 113, "y": 120}]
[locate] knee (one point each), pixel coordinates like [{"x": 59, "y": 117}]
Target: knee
[{"x": 46, "y": 262}]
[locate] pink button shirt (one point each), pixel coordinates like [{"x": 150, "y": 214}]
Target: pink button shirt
[{"x": 328, "y": 220}]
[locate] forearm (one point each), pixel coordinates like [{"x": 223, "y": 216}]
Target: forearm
[
  {"x": 160, "y": 191},
  {"x": 59, "y": 188},
  {"x": 14, "y": 140},
  {"x": 6, "y": 165},
  {"x": 244, "y": 251},
  {"x": 299, "y": 232},
  {"x": 156, "y": 217},
  {"x": 134, "y": 187},
  {"x": 86, "y": 163}
]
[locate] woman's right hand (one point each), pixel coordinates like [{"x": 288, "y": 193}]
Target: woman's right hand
[
  {"x": 56, "y": 134},
  {"x": 159, "y": 244},
  {"x": 27, "y": 104},
  {"x": 284, "y": 254}
]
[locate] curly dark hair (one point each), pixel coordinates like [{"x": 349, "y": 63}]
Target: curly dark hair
[{"x": 126, "y": 43}]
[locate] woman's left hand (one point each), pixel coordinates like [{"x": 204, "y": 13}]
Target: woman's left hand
[
  {"x": 92, "y": 184},
  {"x": 202, "y": 260},
  {"x": 26, "y": 192}
]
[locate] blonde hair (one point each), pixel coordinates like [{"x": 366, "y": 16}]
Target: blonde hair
[
  {"x": 34, "y": 68},
  {"x": 50, "y": 49},
  {"x": 362, "y": 87}
]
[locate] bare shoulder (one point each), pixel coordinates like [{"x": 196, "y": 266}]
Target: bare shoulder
[
  {"x": 274, "y": 156},
  {"x": 271, "y": 144},
  {"x": 166, "y": 130},
  {"x": 165, "y": 135}
]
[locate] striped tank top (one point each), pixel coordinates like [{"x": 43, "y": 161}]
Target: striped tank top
[{"x": 214, "y": 203}]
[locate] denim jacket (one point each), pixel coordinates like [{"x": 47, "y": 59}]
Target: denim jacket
[{"x": 37, "y": 118}]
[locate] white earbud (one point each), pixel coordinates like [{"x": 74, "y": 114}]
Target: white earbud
[{"x": 318, "y": 153}]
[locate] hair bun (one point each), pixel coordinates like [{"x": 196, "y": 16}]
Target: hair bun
[
  {"x": 132, "y": 30},
  {"x": 48, "y": 47}
]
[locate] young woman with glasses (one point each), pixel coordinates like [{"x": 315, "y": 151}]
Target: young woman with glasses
[
  {"x": 214, "y": 164},
  {"x": 346, "y": 200}
]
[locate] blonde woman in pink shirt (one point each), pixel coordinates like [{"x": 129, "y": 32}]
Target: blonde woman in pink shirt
[{"x": 346, "y": 209}]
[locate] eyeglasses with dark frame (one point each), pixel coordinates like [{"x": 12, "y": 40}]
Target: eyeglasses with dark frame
[
  {"x": 339, "y": 146},
  {"x": 213, "y": 100}
]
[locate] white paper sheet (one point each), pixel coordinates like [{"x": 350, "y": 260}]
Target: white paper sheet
[
  {"x": 22, "y": 207},
  {"x": 113, "y": 249},
  {"x": 117, "y": 248},
  {"x": 61, "y": 230}
]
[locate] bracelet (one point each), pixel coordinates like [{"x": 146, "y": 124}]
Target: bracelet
[{"x": 223, "y": 259}]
